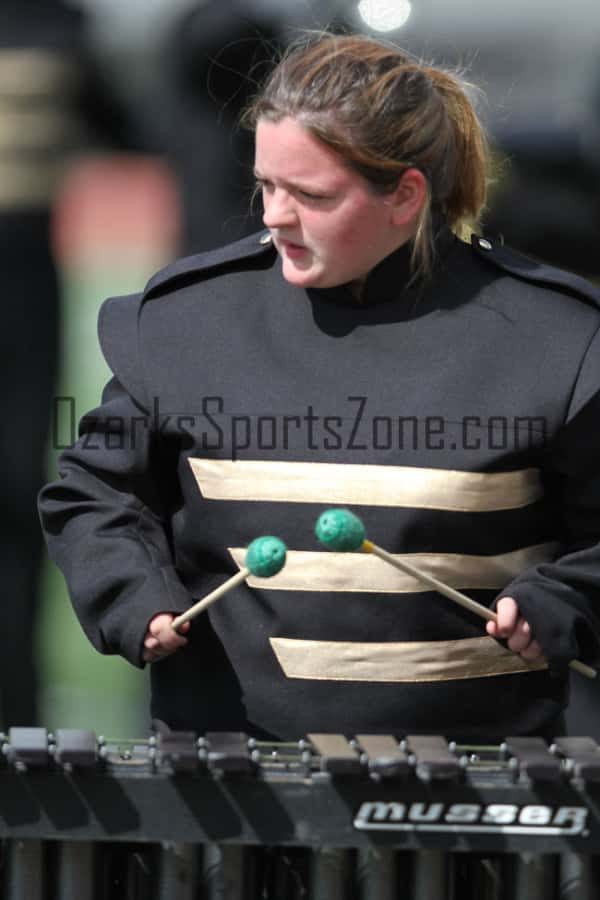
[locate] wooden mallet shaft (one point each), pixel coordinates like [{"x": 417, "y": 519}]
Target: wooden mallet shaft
[
  {"x": 265, "y": 557},
  {"x": 456, "y": 596},
  {"x": 201, "y": 605}
]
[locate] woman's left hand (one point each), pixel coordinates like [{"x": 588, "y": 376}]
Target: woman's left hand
[{"x": 514, "y": 629}]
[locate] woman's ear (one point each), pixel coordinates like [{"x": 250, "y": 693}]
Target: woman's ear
[{"x": 409, "y": 197}]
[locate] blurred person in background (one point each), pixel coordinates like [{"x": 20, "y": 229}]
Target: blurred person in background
[
  {"x": 211, "y": 57},
  {"x": 548, "y": 202},
  {"x": 52, "y": 99}
]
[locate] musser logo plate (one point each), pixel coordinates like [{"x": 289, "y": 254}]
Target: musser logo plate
[{"x": 484, "y": 818}]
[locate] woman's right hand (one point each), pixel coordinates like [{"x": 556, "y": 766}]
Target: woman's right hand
[{"x": 161, "y": 639}]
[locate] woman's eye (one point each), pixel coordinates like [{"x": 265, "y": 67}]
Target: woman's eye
[
  {"x": 265, "y": 185},
  {"x": 310, "y": 196}
]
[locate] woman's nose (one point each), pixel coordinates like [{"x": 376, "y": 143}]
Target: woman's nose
[{"x": 279, "y": 210}]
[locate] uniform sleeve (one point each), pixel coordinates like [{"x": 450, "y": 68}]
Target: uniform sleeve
[
  {"x": 106, "y": 526},
  {"x": 561, "y": 599}
]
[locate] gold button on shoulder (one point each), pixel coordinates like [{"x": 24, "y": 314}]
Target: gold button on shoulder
[
  {"x": 485, "y": 244},
  {"x": 266, "y": 238}
]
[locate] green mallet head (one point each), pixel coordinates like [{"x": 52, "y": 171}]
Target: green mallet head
[
  {"x": 265, "y": 556},
  {"x": 341, "y": 530}
]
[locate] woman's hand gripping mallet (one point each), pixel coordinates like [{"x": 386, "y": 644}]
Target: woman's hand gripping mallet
[
  {"x": 265, "y": 557},
  {"x": 342, "y": 531}
]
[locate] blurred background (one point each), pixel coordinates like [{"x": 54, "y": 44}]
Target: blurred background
[{"x": 119, "y": 150}]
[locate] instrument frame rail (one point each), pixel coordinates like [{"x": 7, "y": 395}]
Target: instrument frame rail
[{"x": 325, "y": 790}]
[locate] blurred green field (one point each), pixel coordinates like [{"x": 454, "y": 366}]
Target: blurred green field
[
  {"x": 78, "y": 686},
  {"x": 115, "y": 223}
]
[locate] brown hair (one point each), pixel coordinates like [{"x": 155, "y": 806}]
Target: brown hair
[{"x": 385, "y": 112}]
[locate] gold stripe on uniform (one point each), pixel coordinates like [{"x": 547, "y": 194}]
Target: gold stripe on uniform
[
  {"x": 410, "y": 662},
  {"x": 369, "y": 485},
  {"x": 37, "y": 129},
  {"x": 24, "y": 184},
  {"x": 36, "y": 72},
  {"x": 323, "y": 571}
]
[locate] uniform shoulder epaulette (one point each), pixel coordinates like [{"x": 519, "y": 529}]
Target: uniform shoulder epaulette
[
  {"x": 248, "y": 247},
  {"x": 496, "y": 254},
  {"x": 118, "y": 335}
]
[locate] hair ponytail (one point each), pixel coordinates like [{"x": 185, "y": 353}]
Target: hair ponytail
[{"x": 463, "y": 195}]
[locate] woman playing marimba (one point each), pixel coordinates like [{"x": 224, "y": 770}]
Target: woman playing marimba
[{"x": 358, "y": 353}]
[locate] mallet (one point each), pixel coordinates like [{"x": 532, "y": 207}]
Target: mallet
[
  {"x": 341, "y": 530},
  {"x": 265, "y": 557}
]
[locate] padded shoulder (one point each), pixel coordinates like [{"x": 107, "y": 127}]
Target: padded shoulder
[
  {"x": 495, "y": 254},
  {"x": 255, "y": 245},
  {"x": 118, "y": 335}
]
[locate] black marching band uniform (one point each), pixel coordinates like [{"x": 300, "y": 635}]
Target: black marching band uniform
[{"x": 459, "y": 420}]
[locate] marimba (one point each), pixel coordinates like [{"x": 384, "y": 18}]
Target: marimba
[{"x": 326, "y": 818}]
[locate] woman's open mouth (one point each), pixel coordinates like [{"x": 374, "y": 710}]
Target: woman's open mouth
[{"x": 293, "y": 250}]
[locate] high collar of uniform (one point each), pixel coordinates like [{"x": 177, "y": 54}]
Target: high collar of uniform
[{"x": 392, "y": 276}]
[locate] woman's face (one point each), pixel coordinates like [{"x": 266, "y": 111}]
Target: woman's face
[{"x": 327, "y": 223}]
